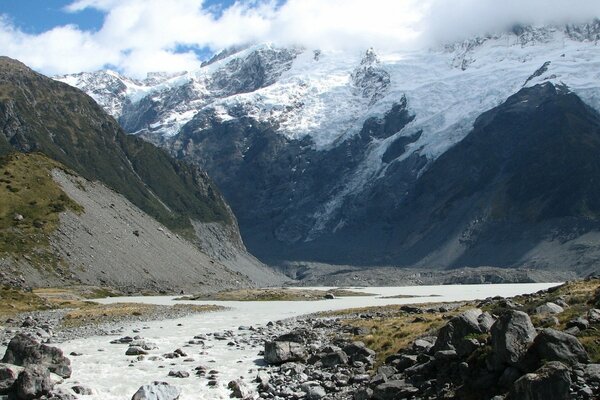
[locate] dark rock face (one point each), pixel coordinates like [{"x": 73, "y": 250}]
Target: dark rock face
[
  {"x": 260, "y": 171},
  {"x": 25, "y": 351},
  {"x": 539, "y": 144},
  {"x": 511, "y": 336},
  {"x": 33, "y": 382},
  {"x": 281, "y": 352},
  {"x": 75, "y": 131},
  {"x": 8, "y": 377},
  {"x": 553, "y": 345},
  {"x": 551, "y": 382},
  {"x": 451, "y": 334}
]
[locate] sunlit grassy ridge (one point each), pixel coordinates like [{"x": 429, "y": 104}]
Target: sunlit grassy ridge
[{"x": 30, "y": 205}]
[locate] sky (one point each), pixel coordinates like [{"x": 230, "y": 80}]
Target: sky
[{"x": 139, "y": 36}]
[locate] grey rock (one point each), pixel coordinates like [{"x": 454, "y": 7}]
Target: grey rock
[
  {"x": 135, "y": 351},
  {"x": 394, "y": 390},
  {"x": 363, "y": 394},
  {"x": 551, "y": 382},
  {"x": 334, "y": 358},
  {"x": 8, "y": 376},
  {"x": 82, "y": 390},
  {"x": 457, "y": 328},
  {"x": 553, "y": 345},
  {"x": 421, "y": 345},
  {"x": 281, "y": 352},
  {"x": 593, "y": 315},
  {"x": 592, "y": 373},
  {"x": 579, "y": 323},
  {"x": 179, "y": 374},
  {"x": 313, "y": 390},
  {"x": 33, "y": 382},
  {"x": 549, "y": 321},
  {"x": 549, "y": 308},
  {"x": 511, "y": 335},
  {"x": 486, "y": 321},
  {"x": 143, "y": 344},
  {"x": 239, "y": 389},
  {"x": 404, "y": 361},
  {"x": 386, "y": 370},
  {"x": 23, "y": 350},
  {"x": 358, "y": 351},
  {"x": 157, "y": 391}
]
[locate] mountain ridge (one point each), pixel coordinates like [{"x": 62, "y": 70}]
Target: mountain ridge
[
  {"x": 40, "y": 115},
  {"x": 337, "y": 136}
]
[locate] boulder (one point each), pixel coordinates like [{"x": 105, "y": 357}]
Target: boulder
[
  {"x": 135, "y": 351},
  {"x": 334, "y": 358},
  {"x": 313, "y": 390},
  {"x": 297, "y": 336},
  {"x": 550, "y": 382},
  {"x": 363, "y": 394},
  {"x": 281, "y": 352},
  {"x": 457, "y": 328},
  {"x": 511, "y": 335},
  {"x": 82, "y": 390},
  {"x": 157, "y": 391},
  {"x": 358, "y": 351},
  {"x": 553, "y": 345},
  {"x": 486, "y": 321},
  {"x": 239, "y": 390},
  {"x": 593, "y": 315},
  {"x": 591, "y": 372},
  {"x": 579, "y": 323},
  {"x": 422, "y": 345},
  {"x": 24, "y": 350},
  {"x": 179, "y": 374},
  {"x": 549, "y": 308},
  {"x": 394, "y": 390},
  {"x": 33, "y": 382},
  {"x": 8, "y": 376}
]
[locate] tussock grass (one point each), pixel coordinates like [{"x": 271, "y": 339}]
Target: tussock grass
[
  {"x": 27, "y": 190},
  {"x": 15, "y": 301},
  {"x": 94, "y": 313}
]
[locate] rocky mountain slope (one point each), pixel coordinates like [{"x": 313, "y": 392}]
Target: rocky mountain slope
[
  {"x": 381, "y": 158},
  {"x": 38, "y": 114}
]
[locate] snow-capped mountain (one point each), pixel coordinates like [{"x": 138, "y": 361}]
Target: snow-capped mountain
[{"x": 310, "y": 146}]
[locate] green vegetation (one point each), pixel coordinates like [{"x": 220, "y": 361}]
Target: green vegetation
[
  {"x": 68, "y": 126},
  {"x": 30, "y": 204},
  {"x": 395, "y": 329},
  {"x": 14, "y": 301}
]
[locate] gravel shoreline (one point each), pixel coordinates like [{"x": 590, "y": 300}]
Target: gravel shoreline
[{"x": 47, "y": 325}]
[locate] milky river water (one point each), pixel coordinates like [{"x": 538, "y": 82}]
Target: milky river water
[{"x": 112, "y": 375}]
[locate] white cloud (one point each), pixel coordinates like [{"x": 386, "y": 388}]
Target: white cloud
[{"x": 138, "y": 36}]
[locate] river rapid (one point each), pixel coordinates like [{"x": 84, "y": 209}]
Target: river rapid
[{"x": 111, "y": 374}]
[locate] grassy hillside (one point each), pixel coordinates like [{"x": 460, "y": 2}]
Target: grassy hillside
[
  {"x": 30, "y": 204},
  {"x": 42, "y": 115}
]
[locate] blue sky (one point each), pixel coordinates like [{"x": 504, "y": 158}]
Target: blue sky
[
  {"x": 140, "y": 36},
  {"x": 37, "y": 16}
]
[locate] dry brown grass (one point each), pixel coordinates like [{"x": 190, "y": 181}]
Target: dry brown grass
[
  {"x": 13, "y": 301},
  {"x": 397, "y": 329},
  {"x": 99, "y": 314}
]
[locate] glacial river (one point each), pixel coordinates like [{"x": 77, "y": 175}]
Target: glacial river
[{"x": 112, "y": 375}]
